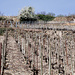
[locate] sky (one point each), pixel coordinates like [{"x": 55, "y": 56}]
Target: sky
[{"x": 12, "y": 7}]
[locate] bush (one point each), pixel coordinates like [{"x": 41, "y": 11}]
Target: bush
[
  {"x": 2, "y": 30},
  {"x": 2, "y": 18},
  {"x": 45, "y": 17},
  {"x": 27, "y": 14}
]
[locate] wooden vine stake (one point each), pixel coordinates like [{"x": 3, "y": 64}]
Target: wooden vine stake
[
  {"x": 63, "y": 53},
  {"x": 22, "y": 45},
  {"x": 39, "y": 46},
  {"x": 49, "y": 57},
  {"x": 71, "y": 58},
  {"x": 0, "y": 56},
  {"x": 42, "y": 57}
]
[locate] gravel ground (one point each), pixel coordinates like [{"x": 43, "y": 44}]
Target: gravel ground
[
  {"x": 1, "y": 39},
  {"x": 14, "y": 60}
]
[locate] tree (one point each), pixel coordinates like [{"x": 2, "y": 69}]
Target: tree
[
  {"x": 27, "y": 14},
  {"x": 46, "y": 17}
]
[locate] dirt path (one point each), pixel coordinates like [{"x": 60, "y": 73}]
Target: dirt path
[
  {"x": 1, "y": 39},
  {"x": 14, "y": 60}
]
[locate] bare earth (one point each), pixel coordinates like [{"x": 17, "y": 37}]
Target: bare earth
[
  {"x": 1, "y": 39},
  {"x": 15, "y": 60}
]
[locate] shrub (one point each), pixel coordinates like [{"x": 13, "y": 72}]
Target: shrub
[
  {"x": 2, "y": 30},
  {"x": 2, "y": 18},
  {"x": 27, "y": 14}
]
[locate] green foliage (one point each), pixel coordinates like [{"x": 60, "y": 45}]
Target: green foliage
[
  {"x": 2, "y": 18},
  {"x": 46, "y": 17},
  {"x": 27, "y": 19},
  {"x": 2, "y": 30}
]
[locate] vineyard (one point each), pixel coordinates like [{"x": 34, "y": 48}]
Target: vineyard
[{"x": 37, "y": 49}]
